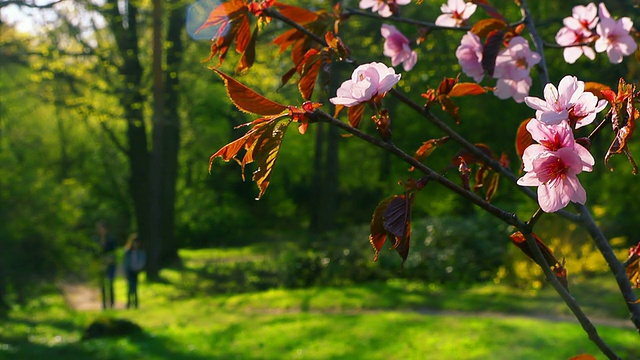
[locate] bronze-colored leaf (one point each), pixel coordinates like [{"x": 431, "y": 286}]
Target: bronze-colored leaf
[
  {"x": 464, "y": 89},
  {"x": 397, "y": 221},
  {"x": 249, "y": 55},
  {"x": 483, "y": 27},
  {"x": 449, "y": 106},
  {"x": 465, "y": 173},
  {"x": 492, "y": 188},
  {"x": 595, "y": 88},
  {"x": 379, "y": 234},
  {"x": 355, "y": 114},
  {"x": 427, "y": 148},
  {"x": 492, "y": 46},
  {"x": 308, "y": 70},
  {"x": 520, "y": 241},
  {"x": 248, "y": 100},
  {"x": 623, "y": 115},
  {"x": 295, "y": 13},
  {"x": 523, "y": 140}
]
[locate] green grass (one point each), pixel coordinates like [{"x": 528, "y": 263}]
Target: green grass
[{"x": 397, "y": 319}]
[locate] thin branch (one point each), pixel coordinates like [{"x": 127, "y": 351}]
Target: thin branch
[
  {"x": 617, "y": 268},
  {"x": 537, "y": 41},
  {"x": 568, "y": 298}
]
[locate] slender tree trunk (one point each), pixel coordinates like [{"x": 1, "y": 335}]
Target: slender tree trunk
[
  {"x": 124, "y": 28},
  {"x": 157, "y": 163},
  {"x": 171, "y": 141}
]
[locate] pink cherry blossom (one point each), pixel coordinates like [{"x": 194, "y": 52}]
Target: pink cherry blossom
[
  {"x": 614, "y": 36},
  {"x": 557, "y": 101},
  {"x": 469, "y": 55},
  {"x": 384, "y": 8},
  {"x": 553, "y": 138},
  {"x": 515, "y": 62},
  {"x": 585, "y": 109},
  {"x": 577, "y": 30},
  {"x": 396, "y": 46},
  {"x": 568, "y": 102},
  {"x": 553, "y": 165},
  {"x": 367, "y": 81},
  {"x": 516, "y": 89},
  {"x": 455, "y": 13}
]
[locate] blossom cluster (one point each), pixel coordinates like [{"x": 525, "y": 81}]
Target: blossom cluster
[
  {"x": 384, "y": 8},
  {"x": 612, "y": 35},
  {"x": 512, "y": 66},
  {"x": 367, "y": 82},
  {"x": 555, "y": 161}
]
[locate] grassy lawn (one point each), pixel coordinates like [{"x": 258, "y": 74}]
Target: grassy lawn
[{"x": 397, "y": 319}]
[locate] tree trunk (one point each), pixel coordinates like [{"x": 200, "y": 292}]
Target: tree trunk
[
  {"x": 171, "y": 132},
  {"x": 157, "y": 163},
  {"x": 124, "y": 29}
]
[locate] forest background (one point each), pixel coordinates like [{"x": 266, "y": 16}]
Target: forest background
[{"x": 82, "y": 139}]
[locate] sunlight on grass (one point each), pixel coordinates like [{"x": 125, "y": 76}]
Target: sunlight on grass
[{"x": 396, "y": 319}]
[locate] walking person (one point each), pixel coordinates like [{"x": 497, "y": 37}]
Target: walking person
[
  {"x": 134, "y": 261},
  {"x": 107, "y": 245}
]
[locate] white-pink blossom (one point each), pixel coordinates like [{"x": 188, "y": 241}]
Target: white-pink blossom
[
  {"x": 553, "y": 165},
  {"x": 396, "y": 46},
  {"x": 384, "y": 8},
  {"x": 577, "y": 30},
  {"x": 516, "y": 89},
  {"x": 455, "y": 13},
  {"x": 469, "y": 55},
  {"x": 614, "y": 36},
  {"x": 515, "y": 62},
  {"x": 367, "y": 81},
  {"x": 568, "y": 102}
]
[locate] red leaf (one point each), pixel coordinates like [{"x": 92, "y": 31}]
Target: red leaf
[
  {"x": 623, "y": 116},
  {"x": 397, "y": 221},
  {"x": 493, "y": 187},
  {"x": 297, "y": 14},
  {"x": 465, "y": 173},
  {"x": 249, "y": 54},
  {"x": 378, "y": 232},
  {"x": 523, "y": 138},
  {"x": 355, "y": 114},
  {"x": 632, "y": 268},
  {"x": 392, "y": 217},
  {"x": 483, "y": 27},
  {"x": 520, "y": 241},
  {"x": 225, "y": 13},
  {"x": 469, "y": 158},
  {"x": 463, "y": 89},
  {"x": 308, "y": 70},
  {"x": 248, "y": 100},
  {"x": 490, "y": 51},
  {"x": 262, "y": 144},
  {"x": 449, "y": 106},
  {"x": 427, "y": 148},
  {"x": 596, "y": 88}
]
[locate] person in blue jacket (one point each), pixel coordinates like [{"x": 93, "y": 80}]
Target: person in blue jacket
[{"x": 134, "y": 261}]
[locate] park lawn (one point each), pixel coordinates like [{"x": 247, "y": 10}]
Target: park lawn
[{"x": 397, "y": 319}]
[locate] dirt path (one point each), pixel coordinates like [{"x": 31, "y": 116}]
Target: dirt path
[{"x": 82, "y": 297}]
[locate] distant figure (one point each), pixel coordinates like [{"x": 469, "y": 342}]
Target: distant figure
[
  {"x": 108, "y": 257},
  {"x": 134, "y": 261}
]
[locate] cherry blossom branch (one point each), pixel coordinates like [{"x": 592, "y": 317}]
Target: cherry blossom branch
[
  {"x": 494, "y": 164},
  {"x": 537, "y": 41},
  {"x": 507, "y": 217},
  {"x": 571, "y": 302},
  {"x": 616, "y": 267},
  {"x": 430, "y": 25}
]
